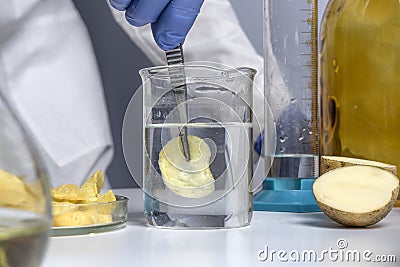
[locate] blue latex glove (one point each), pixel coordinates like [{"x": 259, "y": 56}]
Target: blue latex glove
[
  {"x": 259, "y": 143},
  {"x": 170, "y": 20}
]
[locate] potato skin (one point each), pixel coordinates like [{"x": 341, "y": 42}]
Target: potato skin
[
  {"x": 358, "y": 219},
  {"x": 328, "y": 164}
]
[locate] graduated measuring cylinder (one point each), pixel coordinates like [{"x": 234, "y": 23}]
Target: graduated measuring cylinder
[{"x": 291, "y": 85}]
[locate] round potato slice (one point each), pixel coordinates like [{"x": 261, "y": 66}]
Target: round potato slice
[
  {"x": 357, "y": 195},
  {"x": 191, "y": 179}
]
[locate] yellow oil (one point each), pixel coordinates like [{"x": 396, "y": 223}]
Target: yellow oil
[{"x": 360, "y": 80}]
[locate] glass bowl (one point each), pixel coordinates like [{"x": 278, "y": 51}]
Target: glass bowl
[{"x": 80, "y": 219}]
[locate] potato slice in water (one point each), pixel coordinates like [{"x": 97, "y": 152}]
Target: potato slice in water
[
  {"x": 191, "y": 179},
  {"x": 357, "y": 195}
]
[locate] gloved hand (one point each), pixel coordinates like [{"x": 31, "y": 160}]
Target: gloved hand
[{"x": 170, "y": 20}]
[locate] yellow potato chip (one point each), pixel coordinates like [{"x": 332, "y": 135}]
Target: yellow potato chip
[
  {"x": 89, "y": 187},
  {"x": 104, "y": 218},
  {"x": 35, "y": 188},
  {"x": 68, "y": 203},
  {"x": 106, "y": 197},
  {"x": 74, "y": 218},
  {"x": 99, "y": 175},
  {"x": 105, "y": 207},
  {"x": 9, "y": 181},
  {"x": 67, "y": 193},
  {"x": 63, "y": 207},
  {"x": 14, "y": 193}
]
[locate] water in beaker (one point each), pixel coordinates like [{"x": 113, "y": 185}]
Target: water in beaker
[{"x": 212, "y": 189}]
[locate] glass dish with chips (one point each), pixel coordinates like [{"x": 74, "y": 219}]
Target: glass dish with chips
[{"x": 84, "y": 209}]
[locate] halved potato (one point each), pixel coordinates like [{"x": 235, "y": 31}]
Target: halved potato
[{"x": 357, "y": 195}]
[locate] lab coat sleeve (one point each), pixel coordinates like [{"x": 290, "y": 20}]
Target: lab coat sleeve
[
  {"x": 215, "y": 36},
  {"x": 49, "y": 74}
]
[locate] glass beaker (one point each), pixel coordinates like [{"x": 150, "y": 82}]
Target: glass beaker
[
  {"x": 291, "y": 89},
  {"x": 360, "y": 81},
  {"x": 25, "y": 212},
  {"x": 212, "y": 190}
]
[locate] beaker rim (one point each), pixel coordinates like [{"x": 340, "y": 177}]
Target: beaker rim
[{"x": 161, "y": 72}]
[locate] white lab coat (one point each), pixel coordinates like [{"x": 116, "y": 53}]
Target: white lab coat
[{"x": 49, "y": 73}]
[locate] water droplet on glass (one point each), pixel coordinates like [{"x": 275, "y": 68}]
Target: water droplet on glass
[
  {"x": 293, "y": 100},
  {"x": 283, "y": 138},
  {"x": 301, "y": 137},
  {"x": 282, "y": 149},
  {"x": 158, "y": 113}
]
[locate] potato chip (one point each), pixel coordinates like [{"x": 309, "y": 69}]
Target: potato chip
[
  {"x": 105, "y": 207},
  {"x": 9, "y": 181},
  {"x": 69, "y": 201},
  {"x": 74, "y": 218},
  {"x": 14, "y": 193},
  {"x": 63, "y": 207},
  {"x": 99, "y": 175},
  {"x": 106, "y": 197},
  {"x": 89, "y": 187},
  {"x": 67, "y": 193},
  {"x": 104, "y": 218},
  {"x": 96, "y": 216}
]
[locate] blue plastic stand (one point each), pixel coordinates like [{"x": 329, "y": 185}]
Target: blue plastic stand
[{"x": 286, "y": 194}]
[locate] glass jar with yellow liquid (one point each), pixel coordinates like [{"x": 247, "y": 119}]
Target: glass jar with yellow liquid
[{"x": 360, "y": 80}]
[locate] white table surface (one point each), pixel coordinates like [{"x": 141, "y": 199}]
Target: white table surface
[{"x": 139, "y": 245}]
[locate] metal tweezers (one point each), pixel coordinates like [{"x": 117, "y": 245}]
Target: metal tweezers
[{"x": 178, "y": 82}]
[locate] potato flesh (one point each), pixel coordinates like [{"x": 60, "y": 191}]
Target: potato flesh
[{"x": 356, "y": 189}]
